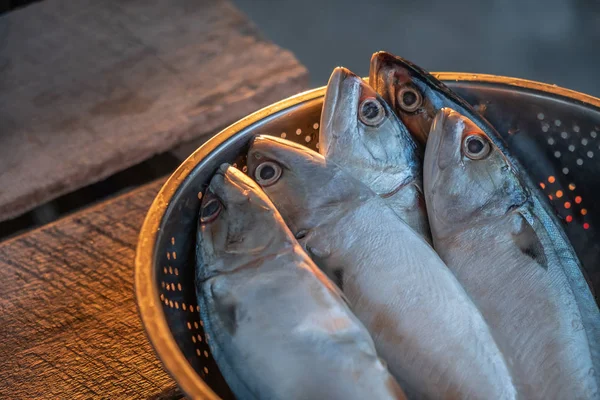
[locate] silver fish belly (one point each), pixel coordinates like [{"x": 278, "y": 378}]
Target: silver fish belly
[
  {"x": 434, "y": 339},
  {"x": 278, "y": 328},
  {"x": 530, "y": 307}
]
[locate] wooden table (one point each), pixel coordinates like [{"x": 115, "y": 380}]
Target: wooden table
[
  {"x": 69, "y": 323},
  {"x": 89, "y": 88}
]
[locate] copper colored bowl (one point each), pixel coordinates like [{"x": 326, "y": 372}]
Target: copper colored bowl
[{"x": 555, "y": 133}]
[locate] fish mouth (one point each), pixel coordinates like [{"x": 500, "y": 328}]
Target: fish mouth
[
  {"x": 217, "y": 180},
  {"x": 337, "y": 114},
  {"x": 450, "y": 126},
  {"x": 384, "y": 60},
  {"x": 222, "y": 174},
  {"x": 437, "y": 143},
  {"x": 382, "y": 71},
  {"x": 216, "y": 185},
  {"x": 332, "y": 94},
  {"x": 222, "y": 170},
  {"x": 224, "y": 180},
  {"x": 380, "y": 61},
  {"x": 440, "y": 152}
]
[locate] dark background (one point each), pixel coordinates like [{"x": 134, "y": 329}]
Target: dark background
[{"x": 553, "y": 41}]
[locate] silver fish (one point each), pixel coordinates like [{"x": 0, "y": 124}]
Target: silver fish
[
  {"x": 362, "y": 134},
  {"x": 279, "y": 329},
  {"x": 433, "y": 338},
  {"x": 512, "y": 260}
]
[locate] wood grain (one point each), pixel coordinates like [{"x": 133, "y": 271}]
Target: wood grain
[
  {"x": 88, "y": 88},
  {"x": 69, "y": 327}
]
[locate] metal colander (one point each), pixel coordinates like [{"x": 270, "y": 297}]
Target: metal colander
[{"x": 554, "y": 132}]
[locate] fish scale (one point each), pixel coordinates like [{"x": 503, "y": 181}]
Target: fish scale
[{"x": 431, "y": 335}]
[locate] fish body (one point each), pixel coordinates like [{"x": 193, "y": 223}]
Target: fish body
[
  {"x": 278, "y": 328},
  {"x": 362, "y": 134},
  {"x": 494, "y": 235},
  {"x": 431, "y": 335}
]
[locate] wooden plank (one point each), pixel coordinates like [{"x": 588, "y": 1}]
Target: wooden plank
[
  {"x": 69, "y": 323},
  {"x": 88, "y": 88}
]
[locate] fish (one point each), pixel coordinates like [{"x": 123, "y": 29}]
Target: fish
[
  {"x": 417, "y": 96},
  {"x": 433, "y": 338},
  {"x": 278, "y": 327},
  {"x": 362, "y": 134},
  {"x": 511, "y": 258}
]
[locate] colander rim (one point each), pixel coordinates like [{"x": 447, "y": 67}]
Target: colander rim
[{"x": 149, "y": 305}]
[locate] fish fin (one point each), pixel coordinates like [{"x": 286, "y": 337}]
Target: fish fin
[
  {"x": 527, "y": 240},
  {"x": 226, "y": 309}
]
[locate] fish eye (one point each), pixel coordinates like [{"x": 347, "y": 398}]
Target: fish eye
[
  {"x": 409, "y": 99},
  {"x": 476, "y": 147},
  {"x": 371, "y": 112},
  {"x": 210, "y": 210},
  {"x": 267, "y": 173}
]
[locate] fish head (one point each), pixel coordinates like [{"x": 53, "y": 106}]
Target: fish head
[
  {"x": 360, "y": 131},
  {"x": 301, "y": 183},
  {"x": 466, "y": 177},
  {"x": 236, "y": 220},
  {"x": 404, "y": 86}
]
